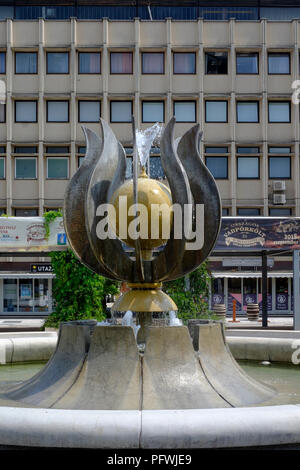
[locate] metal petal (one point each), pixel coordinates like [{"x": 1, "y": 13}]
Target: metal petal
[{"x": 74, "y": 206}]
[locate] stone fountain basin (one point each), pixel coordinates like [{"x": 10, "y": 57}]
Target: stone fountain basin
[{"x": 97, "y": 391}]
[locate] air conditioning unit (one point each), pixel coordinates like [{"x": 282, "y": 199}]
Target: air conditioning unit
[
  {"x": 279, "y": 199},
  {"x": 278, "y": 185}
]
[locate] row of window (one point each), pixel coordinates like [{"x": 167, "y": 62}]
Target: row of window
[
  {"x": 241, "y": 211},
  {"x": 216, "y": 111},
  {"x": 151, "y": 63}
]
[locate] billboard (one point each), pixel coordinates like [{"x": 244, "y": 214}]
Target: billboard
[{"x": 265, "y": 233}]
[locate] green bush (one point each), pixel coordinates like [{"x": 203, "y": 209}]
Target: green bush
[{"x": 78, "y": 293}]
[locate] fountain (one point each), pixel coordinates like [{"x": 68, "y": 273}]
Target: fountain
[{"x": 143, "y": 385}]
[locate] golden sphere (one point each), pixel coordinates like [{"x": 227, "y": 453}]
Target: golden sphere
[{"x": 151, "y": 195}]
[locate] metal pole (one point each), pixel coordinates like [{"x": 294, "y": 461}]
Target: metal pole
[
  {"x": 264, "y": 275},
  {"x": 296, "y": 289}
]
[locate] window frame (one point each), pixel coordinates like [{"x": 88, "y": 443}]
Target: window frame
[
  {"x": 153, "y": 101},
  {"x": 185, "y": 101},
  {"x": 248, "y": 122},
  {"x": 279, "y": 177},
  {"x": 25, "y": 158},
  {"x": 89, "y": 52},
  {"x": 205, "y": 62},
  {"x": 239, "y": 157},
  {"x": 280, "y": 208},
  {"x": 258, "y": 209},
  {"x": 280, "y": 122},
  {"x": 47, "y": 111},
  {"x": 57, "y": 158},
  {"x": 110, "y": 111},
  {"x": 47, "y": 64},
  {"x": 279, "y": 53},
  {"x": 216, "y": 122},
  {"x": 246, "y": 53},
  {"x": 88, "y": 101},
  {"x": 153, "y": 73},
  {"x": 25, "y": 101},
  {"x": 26, "y": 52},
  {"x": 121, "y": 73},
  {"x": 195, "y": 63}
]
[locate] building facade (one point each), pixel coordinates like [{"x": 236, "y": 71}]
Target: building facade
[{"x": 235, "y": 71}]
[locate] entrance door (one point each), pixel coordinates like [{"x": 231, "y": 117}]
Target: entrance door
[{"x": 234, "y": 293}]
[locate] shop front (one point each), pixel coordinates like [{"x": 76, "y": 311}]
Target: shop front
[
  {"x": 25, "y": 294},
  {"x": 246, "y": 287}
]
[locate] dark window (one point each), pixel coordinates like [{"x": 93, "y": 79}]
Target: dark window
[
  {"x": 283, "y": 211},
  {"x": 218, "y": 166},
  {"x": 121, "y": 63},
  {"x": 279, "y": 63},
  {"x": 247, "y": 150},
  {"x": 81, "y": 149},
  {"x": 2, "y": 112},
  {"x": 153, "y": 63},
  {"x": 26, "y": 63},
  {"x": 279, "y": 167},
  {"x": 246, "y": 63},
  {"x": 225, "y": 211},
  {"x": 21, "y": 149},
  {"x": 2, "y": 167},
  {"x": 58, "y": 62},
  {"x": 89, "y": 62},
  {"x": 2, "y": 62},
  {"x": 26, "y": 212},
  {"x": 56, "y": 150},
  {"x": 184, "y": 62},
  {"x": 216, "y": 63},
  {"x": 248, "y": 211}
]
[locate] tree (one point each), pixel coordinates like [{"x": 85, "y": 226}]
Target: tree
[
  {"x": 78, "y": 292},
  {"x": 191, "y": 294}
]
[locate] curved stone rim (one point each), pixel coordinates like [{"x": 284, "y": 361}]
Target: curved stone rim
[{"x": 151, "y": 429}]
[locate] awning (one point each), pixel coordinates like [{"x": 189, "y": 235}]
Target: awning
[
  {"x": 11, "y": 275},
  {"x": 244, "y": 274}
]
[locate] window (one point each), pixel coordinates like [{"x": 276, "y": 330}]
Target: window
[
  {"x": 285, "y": 150},
  {"x": 21, "y": 149},
  {"x": 26, "y": 62},
  {"x": 2, "y": 62},
  {"x": 57, "y": 62},
  {"x": 25, "y": 111},
  {"x": 156, "y": 169},
  {"x": 81, "y": 149},
  {"x": 225, "y": 211},
  {"x": 216, "y": 111},
  {"x": 283, "y": 211},
  {"x": 57, "y": 111},
  {"x": 25, "y": 168},
  {"x": 246, "y": 63},
  {"x": 279, "y": 167},
  {"x": 279, "y": 63},
  {"x": 56, "y": 150},
  {"x": 248, "y": 211},
  {"x": 247, "y": 150},
  {"x": 217, "y": 164},
  {"x": 2, "y": 168},
  {"x": 216, "y": 63},
  {"x": 248, "y": 167},
  {"x": 120, "y": 111},
  {"x": 89, "y": 62},
  {"x": 80, "y": 160},
  {"x": 153, "y": 63},
  {"x": 121, "y": 62},
  {"x": 185, "y": 111},
  {"x": 2, "y": 112},
  {"x": 89, "y": 111},
  {"x": 184, "y": 62},
  {"x": 57, "y": 168},
  {"x": 26, "y": 212},
  {"x": 279, "y": 111},
  {"x": 153, "y": 111},
  {"x": 247, "y": 111}
]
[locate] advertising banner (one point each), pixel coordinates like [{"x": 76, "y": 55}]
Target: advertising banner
[
  {"x": 238, "y": 233},
  {"x": 29, "y": 234}
]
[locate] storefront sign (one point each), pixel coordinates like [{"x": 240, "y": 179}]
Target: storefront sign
[
  {"x": 259, "y": 234},
  {"x": 29, "y": 234},
  {"x": 230, "y": 262},
  {"x": 282, "y": 301},
  {"x": 217, "y": 299},
  {"x": 41, "y": 268}
]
